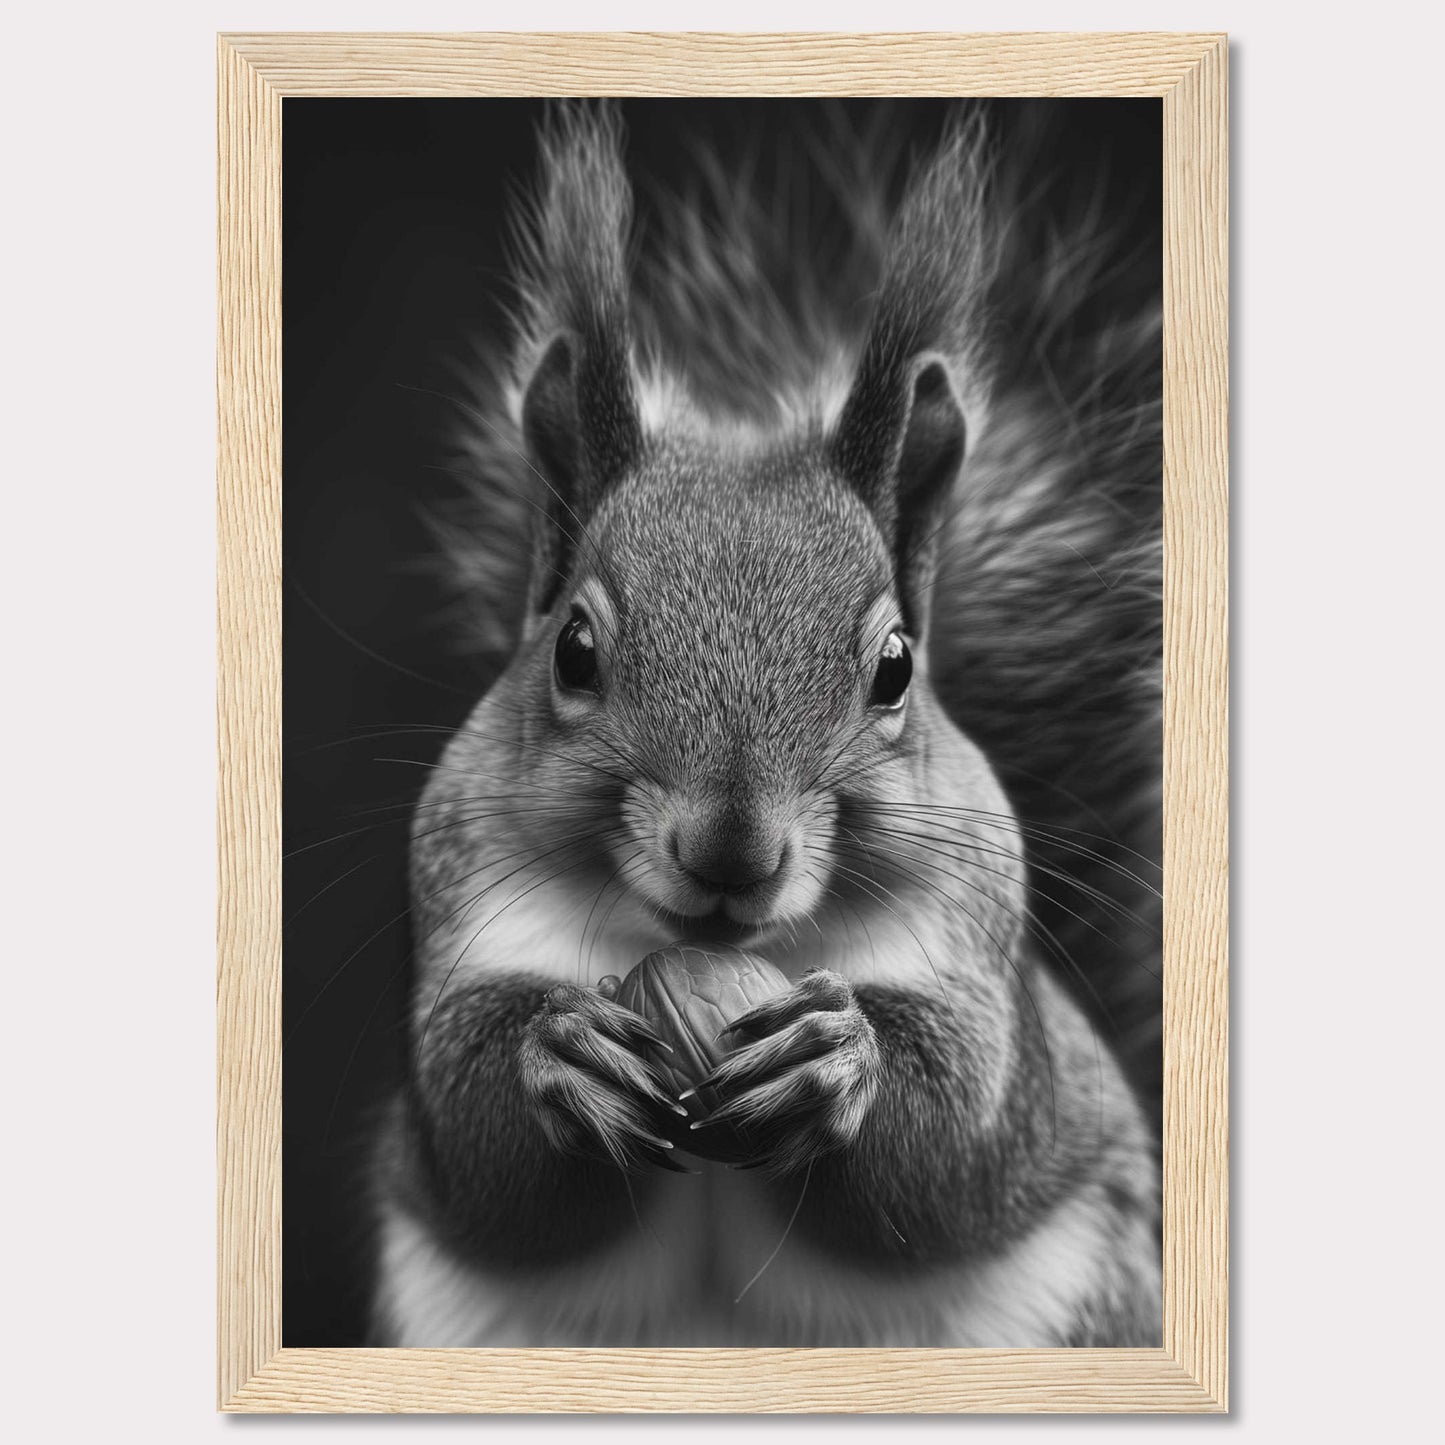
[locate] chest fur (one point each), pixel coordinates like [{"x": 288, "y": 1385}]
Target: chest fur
[{"x": 711, "y": 1263}]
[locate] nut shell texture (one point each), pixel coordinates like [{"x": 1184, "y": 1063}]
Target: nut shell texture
[{"x": 689, "y": 993}]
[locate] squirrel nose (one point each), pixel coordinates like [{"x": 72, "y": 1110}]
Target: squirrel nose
[{"x": 722, "y": 865}]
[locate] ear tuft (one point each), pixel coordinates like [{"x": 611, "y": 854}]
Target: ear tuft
[{"x": 578, "y": 409}]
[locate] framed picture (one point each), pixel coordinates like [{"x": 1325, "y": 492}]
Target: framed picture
[{"x": 723, "y": 723}]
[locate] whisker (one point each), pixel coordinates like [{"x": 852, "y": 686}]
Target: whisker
[
  {"x": 584, "y": 951},
  {"x": 921, "y": 840},
  {"x": 466, "y": 948},
  {"x": 1035, "y": 864},
  {"x": 407, "y": 912},
  {"x": 943, "y": 991},
  {"x": 1051, "y": 831},
  {"x": 1025, "y": 920},
  {"x": 378, "y": 826},
  {"x": 321, "y": 892},
  {"x": 370, "y": 652},
  {"x": 1028, "y": 992},
  {"x": 788, "y": 1229}
]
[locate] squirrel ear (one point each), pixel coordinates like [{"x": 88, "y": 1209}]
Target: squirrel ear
[
  {"x": 580, "y": 425},
  {"x": 900, "y": 444},
  {"x": 549, "y": 419},
  {"x": 554, "y": 445}
]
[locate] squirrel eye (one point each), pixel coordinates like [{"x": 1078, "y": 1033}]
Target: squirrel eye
[
  {"x": 895, "y": 672},
  {"x": 575, "y": 659}
]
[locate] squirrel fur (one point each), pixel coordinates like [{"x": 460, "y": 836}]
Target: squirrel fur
[{"x": 720, "y": 513}]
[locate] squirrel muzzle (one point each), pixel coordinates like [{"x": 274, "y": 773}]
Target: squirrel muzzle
[{"x": 739, "y": 858}]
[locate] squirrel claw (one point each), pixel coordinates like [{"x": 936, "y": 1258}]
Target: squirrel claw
[{"x": 646, "y": 1031}]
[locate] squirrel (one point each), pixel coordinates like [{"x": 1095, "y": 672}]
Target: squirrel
[{"x": 836, "y": 637}]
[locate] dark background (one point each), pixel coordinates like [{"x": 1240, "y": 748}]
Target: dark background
[{"x": 394, "y": 263}]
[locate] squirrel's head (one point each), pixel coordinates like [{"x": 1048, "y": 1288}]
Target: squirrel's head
[
  {"x": 732, "y": 633},
  {"x": 735, "y": 634}
]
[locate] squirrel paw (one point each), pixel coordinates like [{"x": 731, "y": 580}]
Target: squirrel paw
[
  {"x": 802, "y": 1075},
  {"x": 593, "y": 1094}
]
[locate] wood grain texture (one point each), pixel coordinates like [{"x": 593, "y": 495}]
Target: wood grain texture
[
  {"x": 1196, "y": 724},
  {"x": 249, "y": 598},
  {"x": 1027, "y": 63},
  {"x": 1190, "y": 1372},
  {"x": 727, "y": 1381}
]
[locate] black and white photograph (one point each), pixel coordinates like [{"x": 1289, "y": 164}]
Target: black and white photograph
[{"x": 722, "y": 722}]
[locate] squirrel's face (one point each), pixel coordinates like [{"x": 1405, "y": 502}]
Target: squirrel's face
[
  {"x": 722, "y": 631},
  {"x": 732, "y": 648}
]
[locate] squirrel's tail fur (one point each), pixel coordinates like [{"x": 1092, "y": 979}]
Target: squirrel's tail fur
[{"x": 746, "y": 306}]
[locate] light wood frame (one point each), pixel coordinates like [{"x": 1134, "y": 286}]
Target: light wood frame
[{"x": 1190, "y": 1372}]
